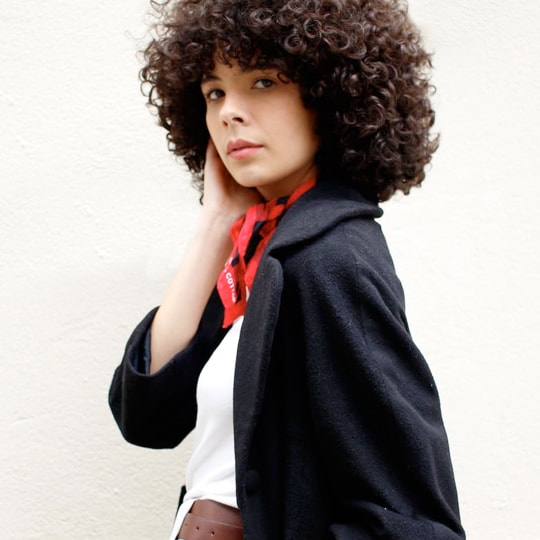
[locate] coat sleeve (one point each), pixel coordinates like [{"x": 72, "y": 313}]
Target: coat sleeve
[
  {"x": 374, "y": 404},
  {"x": 159, "y": 410}
]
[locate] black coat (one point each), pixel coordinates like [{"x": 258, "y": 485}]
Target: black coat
[{"x": 337, "y": 423}]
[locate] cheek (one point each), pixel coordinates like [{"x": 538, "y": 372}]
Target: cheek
[
  {"x": 307, "y": 127},
  {"x": 212, "y": 119},
  {"x": 209, "y": 123},
  {"x": 301, "y": 119}
]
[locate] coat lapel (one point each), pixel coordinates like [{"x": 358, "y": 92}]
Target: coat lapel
[{"x": 254, "y": 349}]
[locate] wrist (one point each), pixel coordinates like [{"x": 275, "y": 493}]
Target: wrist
[
  {"x": 217, "y": 219},
  {"x": 214, "y": 228}
]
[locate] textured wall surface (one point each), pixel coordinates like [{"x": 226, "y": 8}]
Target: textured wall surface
[{"x": 94, "y": 215}]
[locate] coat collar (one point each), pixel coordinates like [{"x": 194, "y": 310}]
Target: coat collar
[{"x": 318, "y": 210}]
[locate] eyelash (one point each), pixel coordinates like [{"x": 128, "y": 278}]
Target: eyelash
[
  {"x": 209, "y": 97},
  {"x": 267, "y": 83}
]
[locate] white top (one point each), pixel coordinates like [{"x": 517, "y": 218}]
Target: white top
[{"x": 210, "y": 472}]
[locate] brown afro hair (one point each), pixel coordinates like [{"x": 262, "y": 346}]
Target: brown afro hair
[{"x": 360, "y": 65}]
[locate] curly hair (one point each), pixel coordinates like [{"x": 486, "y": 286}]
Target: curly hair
[{"x": 360, "y": 65}]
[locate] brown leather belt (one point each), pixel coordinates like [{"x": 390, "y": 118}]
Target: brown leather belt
[{"x": 210, "y": 520}]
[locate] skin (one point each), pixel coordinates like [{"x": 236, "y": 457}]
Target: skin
[
  {"x": 264, "y": 110},
  {"x": 253, "y": 106}
]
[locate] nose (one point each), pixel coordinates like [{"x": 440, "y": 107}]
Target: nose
[{"x": 233, "y": 110}]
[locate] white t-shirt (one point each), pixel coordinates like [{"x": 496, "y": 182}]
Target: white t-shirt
[{"x": 210, "y": 472}]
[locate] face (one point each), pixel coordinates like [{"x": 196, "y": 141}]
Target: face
[{"x": 261, "y": 129}]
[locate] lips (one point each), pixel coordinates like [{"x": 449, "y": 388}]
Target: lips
[{"x": 239, "y": 148}]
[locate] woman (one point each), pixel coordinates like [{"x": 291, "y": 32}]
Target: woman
[{"x": 284, "y": 344}]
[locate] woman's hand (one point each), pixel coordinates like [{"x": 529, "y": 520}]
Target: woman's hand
[{"x": 223, "y": 196}]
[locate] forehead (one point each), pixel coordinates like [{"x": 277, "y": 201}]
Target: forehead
[
  {"x": 221, "y": 70},
  {"x": 243, "y": 60}
]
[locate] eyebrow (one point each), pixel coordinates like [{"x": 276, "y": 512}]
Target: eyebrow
[{"x": 209, "y": 77}]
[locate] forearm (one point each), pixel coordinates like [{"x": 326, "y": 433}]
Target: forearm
[
  {"x": 180, "y": 312},
  {"x": 160, "y": 410}
]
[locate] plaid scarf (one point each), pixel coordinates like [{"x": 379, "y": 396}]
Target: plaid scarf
[{"x": 250, "y": 235}]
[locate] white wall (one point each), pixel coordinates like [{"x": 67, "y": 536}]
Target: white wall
[{"x": 94, "y": 214}]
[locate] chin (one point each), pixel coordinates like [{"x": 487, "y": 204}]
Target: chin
[{"x": 249, "y": 181}]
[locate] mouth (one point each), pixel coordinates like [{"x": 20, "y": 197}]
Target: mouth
[{"x": 239, "y": 148}]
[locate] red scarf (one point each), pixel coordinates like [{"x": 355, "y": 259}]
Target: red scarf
[{"x": 250, "y": 235}]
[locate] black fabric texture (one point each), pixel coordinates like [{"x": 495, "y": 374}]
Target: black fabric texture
[{"x": 337, "y": 421}]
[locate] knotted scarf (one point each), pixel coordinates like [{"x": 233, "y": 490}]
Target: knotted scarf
[{"x": 250, "y": 235}]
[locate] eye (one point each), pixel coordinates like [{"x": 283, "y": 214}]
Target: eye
[
  {"x": 214, "y": 94},
  {"x": 263, "y": 83}
]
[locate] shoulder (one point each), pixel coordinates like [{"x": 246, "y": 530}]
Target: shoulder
[
  {"x": 354, "y": 246},
  {"x": 348, "y": 264},
  {"x": 330, "y": 241},
  {"x": 318, "y": 212}
]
